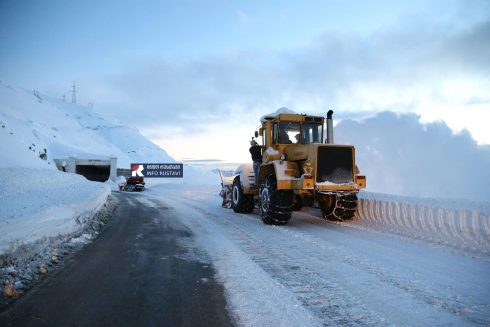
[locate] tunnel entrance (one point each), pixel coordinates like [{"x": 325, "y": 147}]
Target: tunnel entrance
[
  {"x": 96, "y": 168},
  {"x": 94, "y": 173}
]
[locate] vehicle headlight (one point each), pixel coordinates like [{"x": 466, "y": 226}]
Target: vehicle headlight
[{"x": 283, "y": 157}]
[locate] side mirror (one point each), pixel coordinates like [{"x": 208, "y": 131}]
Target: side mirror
[{"x": 256, "y": 134}]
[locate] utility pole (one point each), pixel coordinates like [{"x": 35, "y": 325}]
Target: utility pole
[
  {"x": 74, "y": 96},
  {"x": 63, "y": 98}
]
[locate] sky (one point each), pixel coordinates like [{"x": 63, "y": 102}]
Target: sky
[{"x": 195, "y": 76}]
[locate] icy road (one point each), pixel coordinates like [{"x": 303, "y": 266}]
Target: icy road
[
  {"x": 312, "y": 272},
  {"x": 170, "y": 253}
]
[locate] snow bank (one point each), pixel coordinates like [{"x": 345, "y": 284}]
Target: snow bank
[
  {"x": 460, "y": 223},
  {"x": 40, "y": 203},
  {"x": 198, "y": 175}
]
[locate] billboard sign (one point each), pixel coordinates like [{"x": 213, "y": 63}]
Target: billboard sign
[{"x": 162, "y": 170}]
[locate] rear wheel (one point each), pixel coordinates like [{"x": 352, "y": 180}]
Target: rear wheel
[
  {"x": 339, "y": 207},
  {"x": 241, "y": 202},
  {"x": 275, "y": 205}
]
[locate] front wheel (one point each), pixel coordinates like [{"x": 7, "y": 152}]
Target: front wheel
[
  {"x": 275, "y": 205},
  {"x": 339, "y": 207},
  {"x": 241, "y": 202}
]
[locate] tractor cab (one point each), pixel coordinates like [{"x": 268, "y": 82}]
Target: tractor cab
[{"x": 290, "y": 129}]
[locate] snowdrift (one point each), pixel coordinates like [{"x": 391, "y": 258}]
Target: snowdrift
[
  {"x": 37, "y": 203},
  {"x": 461, "y": 224}
]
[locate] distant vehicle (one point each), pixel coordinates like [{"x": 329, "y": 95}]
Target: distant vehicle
[{"x": 135, "y": 184}]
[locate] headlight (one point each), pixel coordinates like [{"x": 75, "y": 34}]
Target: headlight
[{"x": 283, "y": 157}]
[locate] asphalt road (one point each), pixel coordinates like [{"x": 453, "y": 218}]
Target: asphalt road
[{"x": 135, "y": 273}]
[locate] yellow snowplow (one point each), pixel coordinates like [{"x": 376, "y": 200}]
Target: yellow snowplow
[{"x": 298, "y": 170}]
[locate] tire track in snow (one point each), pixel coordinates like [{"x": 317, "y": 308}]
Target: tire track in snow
[
  {"x": 317, "y": 285},
  {"x": 255, "y": 298},
  {"x": 475, "y": 307}
]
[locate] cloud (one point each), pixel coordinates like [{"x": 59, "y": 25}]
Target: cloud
[
  {"x": 400, "y": 155},
  {"x": 415, "y": 66}
]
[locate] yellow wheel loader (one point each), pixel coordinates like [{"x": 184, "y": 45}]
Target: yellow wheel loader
[{"x": 297, "y": 170}]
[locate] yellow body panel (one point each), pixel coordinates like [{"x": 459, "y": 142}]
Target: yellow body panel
[
  {"x": 361, "y": 183},
  {"x": 336, "y": 187}
]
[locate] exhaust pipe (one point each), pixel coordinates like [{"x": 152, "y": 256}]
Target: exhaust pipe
[{"x": 329, "y": 127}]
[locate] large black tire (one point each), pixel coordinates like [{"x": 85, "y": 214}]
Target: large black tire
[
  {"x": 241, "y": 203},
  {"x": 342, "y": 208},
  {"x": 297, "y": 206},
  {"x": 275, "y": 205}
]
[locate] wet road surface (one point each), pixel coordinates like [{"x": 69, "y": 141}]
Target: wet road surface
[{"x": 135, "y": 273}]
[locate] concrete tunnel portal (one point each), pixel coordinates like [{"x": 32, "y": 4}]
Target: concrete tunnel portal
[{"x": 96, "y": 168}]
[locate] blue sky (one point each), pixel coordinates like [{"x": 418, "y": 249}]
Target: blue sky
[
  {"x": 196, "y": 70},
  {"x": 102, "y": 36}
]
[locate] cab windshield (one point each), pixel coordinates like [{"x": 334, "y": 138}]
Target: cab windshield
[
  {"x": 289, "y": 133},
  {"x": 312, "y": 133}
]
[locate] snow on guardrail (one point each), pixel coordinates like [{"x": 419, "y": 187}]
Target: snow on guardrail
[{"x": 458, "y": 223}]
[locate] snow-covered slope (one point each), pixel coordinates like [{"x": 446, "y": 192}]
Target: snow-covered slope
[{"x": 33, "y": 124}]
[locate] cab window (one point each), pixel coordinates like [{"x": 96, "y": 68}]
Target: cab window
[
  {"x": 289, "y": 133},
  {"x": 312, "y": 133},
  {"x": 274, "y": 134}
]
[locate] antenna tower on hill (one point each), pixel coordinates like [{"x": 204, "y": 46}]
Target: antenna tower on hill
[{"x": 74, "y": 96}]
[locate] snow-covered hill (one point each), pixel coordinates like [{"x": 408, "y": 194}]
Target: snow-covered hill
[{"x": 34, "y": 124}]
